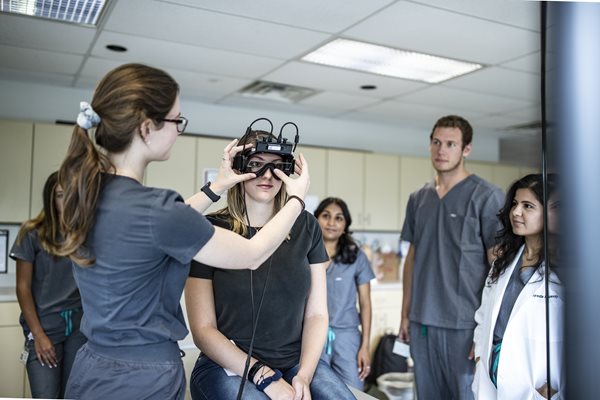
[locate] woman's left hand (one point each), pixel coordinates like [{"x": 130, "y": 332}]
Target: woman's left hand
[
  {"x": 364, "y": 363},
  {"x": 228, "y": 177},
  {"x": 301, "y": 388}
]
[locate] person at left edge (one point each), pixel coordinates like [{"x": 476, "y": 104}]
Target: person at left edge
[
  {"x": 133, "y": 244},
  {"x": 49, "y": 299}
]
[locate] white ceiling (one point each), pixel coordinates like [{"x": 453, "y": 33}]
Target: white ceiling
[{"x": 216, "y": 47}]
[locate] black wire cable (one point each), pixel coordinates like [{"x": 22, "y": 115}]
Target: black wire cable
[{"x": 262, "y": 297}]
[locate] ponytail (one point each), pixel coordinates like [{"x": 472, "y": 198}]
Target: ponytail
[
  {"x": 126, "y": 97},
  {"x": 80, "y": 176}
]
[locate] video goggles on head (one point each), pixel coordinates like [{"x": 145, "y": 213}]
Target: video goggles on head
[{"x": 269, "y": 145}]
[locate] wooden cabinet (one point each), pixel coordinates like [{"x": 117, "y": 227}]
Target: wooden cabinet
[
  {"x": 386, "y": 300},
  {"x": 369, "y": 184},
  {"x": 504, "y": 176},
  {"x": 382, "y": 192},
  {"x": 481, "y": 169},
  {"x": 12, "y": 378},
  {"x": 16, "y": 139},
  {"x": 414, "y": 173},
  {"x": 317, "y": 164},
  {"x": 50, "y": 145},
  {"x": 179, "y": 171},
  {"x": 345, "y": 179},
  {"x": 208, "y": 160}
]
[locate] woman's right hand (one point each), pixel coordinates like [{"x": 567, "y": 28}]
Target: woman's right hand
[
  {"x": 296, "y": 186},
  {"x": 44, "y": 349},
  {"x": 280, "y": 390},
  {"x": 227, "y": 176}
]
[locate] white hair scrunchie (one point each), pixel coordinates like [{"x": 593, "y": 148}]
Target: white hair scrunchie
[{"x": 87, "y": 117}]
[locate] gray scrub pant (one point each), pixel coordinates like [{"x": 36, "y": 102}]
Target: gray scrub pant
[
  {"x": 343, "y": 357},
  {"x": 442, "y": 368},
  {"x": 100, "y": 374}
]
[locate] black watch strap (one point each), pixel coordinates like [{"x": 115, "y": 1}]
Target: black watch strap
[{"x": 211, "y": 195}]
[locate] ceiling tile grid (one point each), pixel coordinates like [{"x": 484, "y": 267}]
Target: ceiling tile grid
[{"x": 215, "y": 48}]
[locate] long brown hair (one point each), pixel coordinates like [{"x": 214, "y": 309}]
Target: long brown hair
[
  {"x": 47, "y": 222},
  {"x": 235, "y": 211},
  {"x": 124, "y": 99}
]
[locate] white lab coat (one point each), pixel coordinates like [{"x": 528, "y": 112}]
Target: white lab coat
[{"x": 522, "y": 364}]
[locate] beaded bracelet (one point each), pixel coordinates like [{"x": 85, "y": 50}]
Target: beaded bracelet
[{"x": 299, "y": 199}]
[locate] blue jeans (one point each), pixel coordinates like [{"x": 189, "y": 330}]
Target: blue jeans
[
  {"x": 210, "y": 382},
  {"x": 50, "y": 383}
]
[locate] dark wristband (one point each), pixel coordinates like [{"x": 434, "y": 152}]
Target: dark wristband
[
  {"x": 253, "y": 370},
  {"x": 262, "y": 385},
  {"x": 299, "y": 199},
  {"x": 211, "y": 195}
]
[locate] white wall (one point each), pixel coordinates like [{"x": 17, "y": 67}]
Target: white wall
[{"x": 41, "y": 102}]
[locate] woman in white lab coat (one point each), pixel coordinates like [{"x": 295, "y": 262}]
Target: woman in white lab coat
[{"x": 510, "y": 337}]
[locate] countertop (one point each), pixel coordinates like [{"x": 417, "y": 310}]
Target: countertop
[{"x": 8, "y": 294}]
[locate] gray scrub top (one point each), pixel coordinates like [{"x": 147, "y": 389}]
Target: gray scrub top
[
  {"x": 143, "y": 240},
  {"x": 52, "y": 286},
  {"x": 343, "y": 281},
  {"x": 451, "y": 236}
]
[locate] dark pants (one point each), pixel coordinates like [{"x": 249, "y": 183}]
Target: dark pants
[
  {"x": 442, "y": 368},
  {"x": 210, "y": 382},
  {"x": 50, "y": 383}
]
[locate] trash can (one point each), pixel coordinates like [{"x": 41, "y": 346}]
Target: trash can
[{"x": 397, "y": 385}]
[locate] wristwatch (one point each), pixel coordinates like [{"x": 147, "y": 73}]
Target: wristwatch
[{"x": 211, "y": 195}]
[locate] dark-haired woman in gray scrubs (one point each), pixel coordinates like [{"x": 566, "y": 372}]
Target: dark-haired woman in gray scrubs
[
  {"x": 348, "y": 279},
  {"x": 49, "y": 299}
]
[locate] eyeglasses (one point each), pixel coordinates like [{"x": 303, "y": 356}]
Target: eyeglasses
[{"x": 181, "y": 123}]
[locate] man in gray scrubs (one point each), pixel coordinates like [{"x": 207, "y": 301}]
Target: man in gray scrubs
[{"x": 451, "y": 225}]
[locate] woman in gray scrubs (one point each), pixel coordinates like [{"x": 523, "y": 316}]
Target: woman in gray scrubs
[
  {"x": 348, "y": 274},
  {"x": 49, "y": 299},
  {"x": 133, "y": 244}
]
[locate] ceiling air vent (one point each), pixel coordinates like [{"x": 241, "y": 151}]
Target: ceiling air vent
[{"x": 277, "y": 92}]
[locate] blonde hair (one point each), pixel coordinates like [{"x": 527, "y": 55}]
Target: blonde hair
[{"x": 235, "y": 211}]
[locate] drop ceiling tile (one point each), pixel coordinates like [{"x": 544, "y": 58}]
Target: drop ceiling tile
[
  {"x": 529, "y": 63},
  {"x": 501, "y": 82},
  {"x": 524, "y": 14},
  {"x": 265, "y": 107},
  {"x": 210, "y": 29},
  {"x": 44, "y": 34},
  {"x": 192, "y": 85},
  {"x": 413, "y": 113},
  {"x": 39, "y": 60},
  {"x": 341, "y": 80},
  {"x": 463, "y": 100},
  {"x": 183, "y": 56},
  {"x": 434, "y": 31},
  {"x": 36, "y": 77},
  {"x": 497, "y": 122},
  {"x": 326, "y": 16},
  {"x": 338, "y": 101},
  {"x": 526, "y": 115}
]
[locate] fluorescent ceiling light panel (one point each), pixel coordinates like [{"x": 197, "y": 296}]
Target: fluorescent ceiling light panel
[
  {"x": 388, "y": 61},
  {"x": 83, "y": 12}
]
